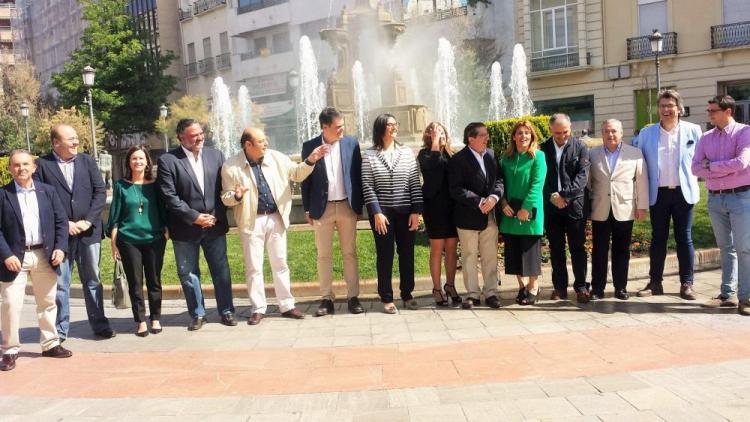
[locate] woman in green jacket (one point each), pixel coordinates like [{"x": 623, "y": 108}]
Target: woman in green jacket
[{"x": 522, "y": 225}]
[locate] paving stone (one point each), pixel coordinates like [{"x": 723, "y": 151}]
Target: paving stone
[
  {"x": 363, "y": 340},
  {"x": 516, "y": 390},
  {"x": 737, "y": 411},
  {"x": 448, "y": 412},
  {"x": 464, "y": 394},
  {"x": 469, "y": 333},
  {"x": 413, "y": 397},
  {"x": 635, "y": 416},
  {"x": 551, "y": 407},
  {"x": 566, "y": 387},
  {"x": 652, "y": 398},
  {"x": 491, "y": 411},
  {"x": 600, "y": 404},
  {"x": 362, "y": 400},
  {"x": 689, "y": 414},
  {"x": 616, "y": 382},
  {"x": 276, "y": 417}
]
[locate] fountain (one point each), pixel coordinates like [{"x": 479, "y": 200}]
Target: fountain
[
  {"x": 244, "y": 109},
  {"x": 445, "y": 87},
  {"x": 361, "y": 104},
  {"x": 222, "y": 119},
  {"x": 416, "y": 95},
  {"x": 498, "y": 105},
  {"x": 522, "y": 104},
  {"x": 309, "y": 97}
]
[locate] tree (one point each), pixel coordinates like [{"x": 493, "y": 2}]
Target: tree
[
  {"x": 18, "y": 86},
  {"x": 75, "y": 119},
  {"x": 128, "y": 89},
  {"x": 186, "y": 107}
]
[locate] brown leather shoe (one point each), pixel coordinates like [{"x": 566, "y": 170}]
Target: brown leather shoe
[
  {"x": 582, "y": 296},
  {"x": 651, "y": 289},
  {"x": 744, "y": 307},
  {"x": 721, "y": 302},
  {"x": 255, "y": 318},
  {"x": 9, "y": 362},
  {"x": 558, "y": 295},
  {"x": 293, "y": 313},
  {"x": 57, "y": 352},
  {"x": 686, "y": 291}
]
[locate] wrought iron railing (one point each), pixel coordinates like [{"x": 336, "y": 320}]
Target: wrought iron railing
[
  {"x": 185, "y": 14},
  {"x": 640, "y": 47},
  {"x": 191, "y": 70},
  {"x": 561, "y": 61},
  {"x": 440, "y": 14},
  {"x": 730, "y": 35},
  {"x": 245, "y": 6},
  {"x": 202, "y": 6},
  {"x": 206, "y": 65},
  {"x": 223, "y": 61},
  {"x": 248, "y": 55}
]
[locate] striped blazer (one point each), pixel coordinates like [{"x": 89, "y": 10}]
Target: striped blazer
[{"x": 394, "y": 187}]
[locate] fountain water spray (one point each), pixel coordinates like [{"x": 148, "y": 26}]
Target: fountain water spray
[
  {"x": 222, "y": 119},
  {"x": 498, "y": 105},
  {"x": 416, "y": 95},
  {"x": 445, "y": 84},
  {"x": 309, "y": 101},
  {"x": 244, "y": 109},
  {"x": 522, "y": 104},
  {"x": 361, "y": 104}
]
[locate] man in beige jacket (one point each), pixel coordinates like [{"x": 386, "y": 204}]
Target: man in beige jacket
[
  {"x": 618, "y": 183},
  {"x": 255, "y": 183}
]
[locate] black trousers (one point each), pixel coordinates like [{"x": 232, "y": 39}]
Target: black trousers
[
  {"x": 620, "y": 232},
  {"x": 671, "y": 205},
  {"x": 138, "y": 260},
  {"x": 558, "y": 228},
  {"x": 398, "y": 232}
]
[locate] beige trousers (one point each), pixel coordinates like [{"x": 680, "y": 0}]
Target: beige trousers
[
  {"x": 476, "y": 243},
  {"x": 44, "y": 279},
  {"x": 339, "y": 216}
]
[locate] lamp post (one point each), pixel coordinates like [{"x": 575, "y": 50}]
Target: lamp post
[
  {"x": 657, "y": 44},
  {"x": 163, "y": 112},
  {"x": 88, "y": 73},
  {"x": 25, "y": 113}
]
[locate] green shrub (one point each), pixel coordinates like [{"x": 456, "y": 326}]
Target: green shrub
[
  {"x": 5, "y": 177},
  {"x": 500, "y": 131}
]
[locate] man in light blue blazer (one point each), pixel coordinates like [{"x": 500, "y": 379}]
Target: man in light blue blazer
[{"x": 668, "y": 148}]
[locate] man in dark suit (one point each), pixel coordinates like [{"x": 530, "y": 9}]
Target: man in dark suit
[
  {"x": 567, "y": 175},
  {"x": 33, "y": 242},
  {"x": 332, "y": 198},
  {"x": 79, "y": 184},
  {"x": 476, "y": 186},
  {"x": 190, "y": 183}
]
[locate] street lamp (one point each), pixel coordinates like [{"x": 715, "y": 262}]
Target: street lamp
[
  {"x": 25, "y": 113},
  {"x": 88, "y": 73},
  {"x": 163, "y": 112},
  {"x": 657, "y": 44}
]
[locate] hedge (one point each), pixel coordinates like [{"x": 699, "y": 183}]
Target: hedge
[
  {"x": 500, "y": 131},
  {"x": 5, "y": 177}
]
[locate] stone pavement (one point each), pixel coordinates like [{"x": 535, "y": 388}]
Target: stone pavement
[{"x": 659, "y": 358}]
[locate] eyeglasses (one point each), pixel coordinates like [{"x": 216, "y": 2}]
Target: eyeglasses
[
  {"x": 391, "y": 124},
  {"x": 713, "y": 110}
]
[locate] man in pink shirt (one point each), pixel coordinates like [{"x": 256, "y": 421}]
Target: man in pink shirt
[{"x": 722, "y": 158}]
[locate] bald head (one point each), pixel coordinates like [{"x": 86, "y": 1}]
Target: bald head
[
  {"x": 254, "y": 143},
  {"x": 559, "y": 125},
  {"x": 64, "y": 141}
]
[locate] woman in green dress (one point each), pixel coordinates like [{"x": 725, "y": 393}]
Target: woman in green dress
[
  {"x": 137, "y": 226},
  {"x": 522, "y": 225}
]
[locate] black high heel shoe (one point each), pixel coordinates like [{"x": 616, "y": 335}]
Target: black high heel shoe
[
  {"x": 521, "y": 296},
  {"x": 439, "y": 296},
  {"x": 450, "y": 290},
  {"x": 531, "y": 298}
]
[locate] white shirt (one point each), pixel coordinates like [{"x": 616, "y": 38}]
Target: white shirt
[
  {"x": 669, "y": 155},
  {"x": 480, "y": 159},
  {"x": 197, "y": 165},
  {"x": 335, "y": 171},
  {"x": 29, "y": 214},
  {"x": 67, "y": 167},
  {"x": 558, "y": 157}
]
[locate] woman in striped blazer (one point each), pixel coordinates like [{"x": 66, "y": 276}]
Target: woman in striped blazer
[{"x": 393, "y": 196}]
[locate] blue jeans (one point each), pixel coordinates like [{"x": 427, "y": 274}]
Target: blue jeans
[
  {"x": 671, "y": 206},
  {"x": 87, "y": 259},
  {"x": 186, "y": 254},
  {"x": 730, "y": 220}
]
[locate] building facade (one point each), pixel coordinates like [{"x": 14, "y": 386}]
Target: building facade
[
  {"x": 593, "y": 58},
  {"x": 9, "y": 32}
]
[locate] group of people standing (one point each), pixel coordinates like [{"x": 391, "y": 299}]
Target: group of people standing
[{"x": 50, "y": 215}]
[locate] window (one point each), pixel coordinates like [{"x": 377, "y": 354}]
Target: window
[
  {"x": 580, "y": 110},
  {"x": 244, "y": 6},
  {"x": 260, "y": 46},
  {"x": 554, "y": 27},
  {"x": 224, "y": 42},
  {"x": 191, "y": 52},
  {"x": 736, "y": 11},
  {"x": 207, "y": 47},
  {"x": 652, "y": 14},
  {"x": 281, "y": 43}
]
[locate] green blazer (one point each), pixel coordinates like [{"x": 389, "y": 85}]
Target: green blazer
[{"x": 524, "y": 179}]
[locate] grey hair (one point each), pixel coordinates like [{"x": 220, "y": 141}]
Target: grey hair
[
  {"x": 559, "y": 118},
  {"x": 613, "y": 122},
  {"x": 17, "y": 152}
]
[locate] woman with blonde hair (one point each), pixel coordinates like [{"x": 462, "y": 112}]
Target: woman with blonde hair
[
  {"x": 438, "y": 210},
  {"x": 522, "y": 225}
]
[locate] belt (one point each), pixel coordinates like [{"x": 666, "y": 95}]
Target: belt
[
  {"x": 738, "y": 189},
  {"x": 339, "y": 200},
  {"x": 33, "y": 247},
  {"x": 267, "y": 212},
  {"x": 669, "y": 187}
]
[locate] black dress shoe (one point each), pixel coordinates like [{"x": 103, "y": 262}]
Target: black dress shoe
[
  {"x": 326, "y": 307},
  {"x": 493, "y": 302},
  {"x": 255, "y": 318},
  {"x": 57, "y": 352},
  {"x": 583, "y": 296},
  {"x": 228, "y": 319},
  {"x": 354, "y": 306},
  {"x": 622, "y": 294},
  {"x": 9, "y": 362},
  {"x": 651, "y": 289},
  {"x": 106, "y": 333},
  {"x": 155, "y": 330},
  {"x": 293, "y": 313},
  {"x": 197, "y": 323},
  {"x": 595, "y": 296}
]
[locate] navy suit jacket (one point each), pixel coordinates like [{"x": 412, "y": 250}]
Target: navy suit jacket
[
  {"x": 468, "y": 185},
  {"x": 183, "y": 198},
  {"x": 315, "y": 187},
  {"x": 87, "y": 198},
  {"x": 574, "y": 171},
  {"x": 53, "y": 225}
]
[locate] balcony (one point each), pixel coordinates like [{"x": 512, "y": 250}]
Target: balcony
[
  {"x": 223, "y": 61},
  {"x": 439, "y": 15},
  {"x": 191, "y": 70},
  {"x": 185, "y": 14},
  {"x": 640, "y": 47},
  {"x": 249, "y": 6},
  {"x": 730, "y": 35},
  {"x": 203, "y": 6},
  {"x": 206, "y": 66},
  {"x": 555, "y": 62}
]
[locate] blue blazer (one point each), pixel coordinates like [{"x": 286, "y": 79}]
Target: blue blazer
[
  {"x": 87, "y": 198},
  {"x": 53, "y": 224},
  {"x": 183, "y": 198},
  {"x": 648, "y": 142},
  {"x": 315, "y": 187}
]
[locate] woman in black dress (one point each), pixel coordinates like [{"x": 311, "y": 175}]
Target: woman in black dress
[{"x": 438, "y": 210}]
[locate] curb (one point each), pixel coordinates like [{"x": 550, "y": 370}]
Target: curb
[{"x": 705, "y": 259}]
